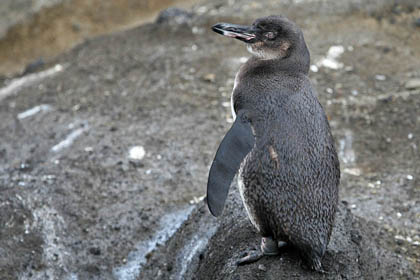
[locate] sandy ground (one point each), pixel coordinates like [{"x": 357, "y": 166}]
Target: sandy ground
[{"x": 73, "y": 204}]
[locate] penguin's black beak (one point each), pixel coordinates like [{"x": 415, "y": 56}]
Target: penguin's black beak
[{"x": 241, "y": 32}]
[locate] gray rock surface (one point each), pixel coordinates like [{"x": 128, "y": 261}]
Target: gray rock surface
[
  {"x": 412, "y": 84},
  {"x": 353, "y": 252}
]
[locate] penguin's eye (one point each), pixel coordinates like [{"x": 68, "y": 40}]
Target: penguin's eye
[
  {"x": 264, "y": 27},
  {"x": 269, "y": 35}
]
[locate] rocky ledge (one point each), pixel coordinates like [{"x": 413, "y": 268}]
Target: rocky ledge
[{"x": 208, "y": 248}]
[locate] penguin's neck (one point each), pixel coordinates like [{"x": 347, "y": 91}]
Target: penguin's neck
[{"x": 297, "y": 62}]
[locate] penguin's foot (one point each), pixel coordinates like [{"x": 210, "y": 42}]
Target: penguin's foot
[
  {"x": 249, "y": 257},
  {"x": 269, "y": 246}
]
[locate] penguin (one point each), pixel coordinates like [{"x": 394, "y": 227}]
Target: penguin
[{"x": 280, "y": 144}]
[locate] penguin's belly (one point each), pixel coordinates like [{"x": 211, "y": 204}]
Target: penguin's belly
[
  {"x": 263, "y": 200},
  {"x": 247, "y": 200}
]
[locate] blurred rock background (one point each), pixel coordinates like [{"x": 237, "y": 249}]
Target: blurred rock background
[{"x": 35, "y": 30}]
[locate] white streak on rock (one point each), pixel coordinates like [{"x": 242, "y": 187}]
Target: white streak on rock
[
  {"x": 28, "y": 80},
  {"x": 169, "y": 224},
  {"x": 33, "y": 111},
  {"x": 69, "y": 139}
]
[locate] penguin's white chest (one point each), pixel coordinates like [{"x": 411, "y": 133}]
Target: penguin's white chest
[
  {"x": 235, "y": 84},
  {"x": 248, "y": 209}
]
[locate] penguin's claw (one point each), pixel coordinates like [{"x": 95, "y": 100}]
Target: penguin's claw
[{"x": 249, "y": 257}]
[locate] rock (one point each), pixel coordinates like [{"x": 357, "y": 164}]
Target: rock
[
  {"x": 353, "y": 252},
  {"x": 417, "y": 22},
  {"x": 174, "y": 15},
  {"x": 136, "y": 153},
  {"x": 262, "y": 267},
  {"x": 380, "y": 77},
  {"x": 412, "y": 84},
  {"x": 34, "y": 66},
  {"x": 95, "y": 251}
]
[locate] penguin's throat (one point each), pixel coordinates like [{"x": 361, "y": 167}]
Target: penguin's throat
[{"x": 259, "y": 50}]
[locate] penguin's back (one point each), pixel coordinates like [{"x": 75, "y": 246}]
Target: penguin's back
[{"x": 291, "y": 177}]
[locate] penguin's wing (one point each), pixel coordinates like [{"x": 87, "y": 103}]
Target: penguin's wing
[{"x": 236, "y": 144}]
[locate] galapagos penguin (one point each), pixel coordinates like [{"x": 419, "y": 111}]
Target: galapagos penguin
[{"x": 280, "y": 142}]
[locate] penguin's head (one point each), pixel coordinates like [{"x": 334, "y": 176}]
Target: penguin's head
[{"x": 272, "y": 37}]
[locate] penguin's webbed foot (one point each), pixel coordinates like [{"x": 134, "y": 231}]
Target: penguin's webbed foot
[
  {"x": 270, "y": 247},
  {"x": 249, "y": 257}
]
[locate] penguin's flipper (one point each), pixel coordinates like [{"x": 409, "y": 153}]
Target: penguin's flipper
[{"x": 236, "y": 144}]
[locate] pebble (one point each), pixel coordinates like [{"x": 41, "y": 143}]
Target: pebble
[
  {"x": 355, "y": 92},
  {"x": 136, "y": 153},
  {"x": 25, "y": 166},
  {"x": 348, "y": 68},
  {"x": 352, "y": 171},
  {"x": 314, "y": 68},
  {"x": 48, "y": 178},
  {"x": 399, "y": 239},
  {"x": 412, "y": 84},
  {"x": 410, "y": 136},
  {"x": 197, "y": 30},
  {"x": 380, "y": 77},
  {"x": 209, "y": 77},
  {"x": 262, "y": 267},
  {"x": 410, "y": 177},
  {"x": 88, "y": 149},
  {"x": 330, "y": 61},
  {"x": 202, "y": 10},
  {"x": 95, "y": 251}
]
